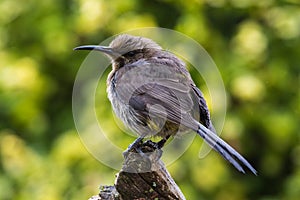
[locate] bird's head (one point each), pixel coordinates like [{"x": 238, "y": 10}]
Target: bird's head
[{"x": 125, "y": 49}]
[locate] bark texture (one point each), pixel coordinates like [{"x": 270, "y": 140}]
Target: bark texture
[{"x": 143, "y": 176}]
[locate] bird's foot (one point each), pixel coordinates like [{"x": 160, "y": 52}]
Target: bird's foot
[
  {"x": 141, "y": 155},
  {"x": 134, "y": 147}
]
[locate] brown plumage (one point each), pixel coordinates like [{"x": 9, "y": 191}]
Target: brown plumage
[{"x": 152, "y": 92}]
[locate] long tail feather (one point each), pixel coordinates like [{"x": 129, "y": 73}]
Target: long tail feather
[{"x": 224, "y": 149}]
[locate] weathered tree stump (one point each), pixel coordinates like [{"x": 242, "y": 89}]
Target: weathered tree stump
[{"x": 143, "y": 176}]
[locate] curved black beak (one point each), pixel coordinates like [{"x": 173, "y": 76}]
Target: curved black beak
[{"x": 107, "y": 50}]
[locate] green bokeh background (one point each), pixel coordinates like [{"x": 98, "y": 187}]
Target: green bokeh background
[{"x": 255, "y": 44}]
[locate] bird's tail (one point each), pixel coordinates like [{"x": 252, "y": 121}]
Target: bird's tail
[{"x": 224, "y": 149}]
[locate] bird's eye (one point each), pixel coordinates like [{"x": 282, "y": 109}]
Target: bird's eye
[{"x": 131, "y": 53}]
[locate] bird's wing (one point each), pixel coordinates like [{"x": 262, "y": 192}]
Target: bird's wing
[
  {"x": 143, "y": 85},
  {"x": 157, "y": 100},
  {"x": 203, "y": 110}
]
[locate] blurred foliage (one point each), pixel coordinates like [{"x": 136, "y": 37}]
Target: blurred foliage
[{"x": 254, "y": 43}]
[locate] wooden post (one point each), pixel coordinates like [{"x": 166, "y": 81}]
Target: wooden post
[{"x": 143, "y": 176}]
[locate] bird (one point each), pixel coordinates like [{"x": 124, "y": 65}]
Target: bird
[{"x": 152, "y": 92}]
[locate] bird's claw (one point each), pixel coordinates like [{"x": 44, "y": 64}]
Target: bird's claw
[{"x": 142, "y": 155}]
